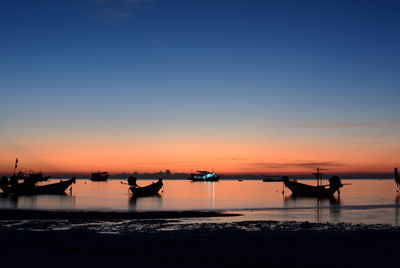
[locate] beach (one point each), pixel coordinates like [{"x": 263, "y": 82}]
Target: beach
[
  {"x": 176, "y": 239},
  {"x": 194, "y": 225},
  {"x": 201, "y": 133}
]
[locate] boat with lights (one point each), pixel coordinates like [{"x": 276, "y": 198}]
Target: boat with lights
[{"x": 203, "y": 175}]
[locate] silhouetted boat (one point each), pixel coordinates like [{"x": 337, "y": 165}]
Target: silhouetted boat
[
  {"x": 151, "y": 189},
  {"x": 99, "y": 176},
  {"x": 35, "y": 176},
  {"x": 38, "y": 176},
  {"x": 301, "y": 189},
  {"x": 203, "y": 175},
  {"x": 30, "y": 188}
]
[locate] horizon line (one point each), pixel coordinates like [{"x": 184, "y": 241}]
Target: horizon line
[{"x": 257, "y": 173}]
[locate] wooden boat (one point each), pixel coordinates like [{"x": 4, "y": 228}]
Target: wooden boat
[
  {"x": 99, "y": 176},
  {"x": 32, "y": 176},
  {"x": 26, "y": 188},
  {"x": 301, "y": 189},
  {"x": 151, "y": 189},
  {"x": 38, "y": 176},
  {"x": 203, "y": 175}
]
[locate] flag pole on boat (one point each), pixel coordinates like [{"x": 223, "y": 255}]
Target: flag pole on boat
[{"x": 16, "y": 164}]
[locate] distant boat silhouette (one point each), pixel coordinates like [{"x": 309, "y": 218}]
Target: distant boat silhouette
[
  {"x": 397, "y": 178},
  {"x": 203, "y": 175},
  {"x": 301, "y": 189},
  {"x": 151, "y": 189},
  {"x": 99, "y": 176}
]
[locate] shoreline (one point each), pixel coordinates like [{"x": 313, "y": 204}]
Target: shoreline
[
  {"x": 174, "y": 243},
  {"x": 25, "y": 214}
]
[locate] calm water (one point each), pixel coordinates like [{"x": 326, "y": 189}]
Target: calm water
[{"x": 364, "y": 201}]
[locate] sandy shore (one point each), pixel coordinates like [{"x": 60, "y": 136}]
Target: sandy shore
[
  {"x": 162, "y": 240},
  {"x": 19, "y": 214}
]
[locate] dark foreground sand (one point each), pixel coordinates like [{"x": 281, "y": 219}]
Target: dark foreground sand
[{"x": 68, "y": 239}]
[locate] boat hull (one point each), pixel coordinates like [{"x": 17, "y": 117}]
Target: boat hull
[
  {"x": 99, "y": 176},
  {"x": 272, "y": 180},
  {"x": 211, "y": 179},
  {"x": 148, "y": 190},
  {"x": 301, "y": 189},
  {"x": 99, "y": 179},
  {"x": 54, "y": 188}
]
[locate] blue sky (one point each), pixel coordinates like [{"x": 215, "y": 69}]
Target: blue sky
[{"x": 218, "y": 68}]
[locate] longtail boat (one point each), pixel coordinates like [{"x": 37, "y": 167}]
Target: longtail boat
[
  {"x": 301, "y": 189},
  {"x": 38, "y": 176},
  {"x": 151, "y": 189},
  {"x": 28, "y": 188}
]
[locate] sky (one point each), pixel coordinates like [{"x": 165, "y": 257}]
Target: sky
[{"x": 248, "y": 87}]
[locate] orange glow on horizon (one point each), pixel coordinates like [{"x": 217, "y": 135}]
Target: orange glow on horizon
[{"x": 225, "y": 155}]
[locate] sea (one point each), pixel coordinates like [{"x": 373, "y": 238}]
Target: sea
[{"x": 361, "y": 201}]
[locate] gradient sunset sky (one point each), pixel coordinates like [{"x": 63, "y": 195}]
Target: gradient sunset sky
[{"x": 234, "y": 86}]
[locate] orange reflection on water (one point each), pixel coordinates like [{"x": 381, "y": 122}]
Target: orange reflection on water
[{"x": 368, "y": 201}]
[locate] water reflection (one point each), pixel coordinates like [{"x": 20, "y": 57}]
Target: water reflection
[
  {"x": 146, "y": 203},
  {"x": 335, "y": 209},
  {"x": 396, "y": 208},
  {"x": 319, "y": 205},
  {"x": 206, "y": 190},
  {"x": 64, "y": 201},
  {"x": 9, "y": 201},
  {"x": 369, "y": 201}
]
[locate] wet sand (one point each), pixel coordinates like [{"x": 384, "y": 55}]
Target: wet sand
[
  {"x": 18, "y": 214},
  {"x": 172, "y": 241}
]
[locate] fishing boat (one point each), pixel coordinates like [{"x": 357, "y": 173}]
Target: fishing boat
[
  {"x": 29, "y": 187},
  {"x": 301, "y": 189},
  {"x": 99, "y": 176},
  {"x": 32, "y": 176},
  {"x": 151, "y": 189},
  {"x": 38, "y": 176},
  {"x": 203, "y": 175}
]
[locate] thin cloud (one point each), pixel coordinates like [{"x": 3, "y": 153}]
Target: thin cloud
[
  {"x": 98, "y": 1},
  {"x": 157, "y": 42},
  {"x": 238, "y": 159},
  {"x": 112, "y": 12},
  {"x": 118, "y": 8},
  {"x": 135, "y": 1},
  {"x": 117, "y": 1},
  {"x": 232, "y": 159},
  {"x": 298, "y": 164},
  {"x": 393, "y": 124}
]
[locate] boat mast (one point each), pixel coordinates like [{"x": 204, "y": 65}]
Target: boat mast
[{"x": 318, "y": 175}]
